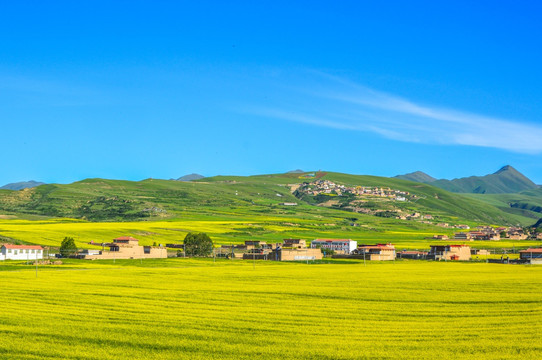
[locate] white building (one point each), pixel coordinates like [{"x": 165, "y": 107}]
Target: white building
[
  {"x": 21, "y": 252},
  {"x": 345, "y": 246}
]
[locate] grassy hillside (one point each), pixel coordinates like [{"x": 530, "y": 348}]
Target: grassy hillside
[
  {"x": 525, "y": 204},
  {"x": 235, "y": 209},
  {"x": 418, "y": 176},
  {"x": 116, "y": 200},
  {"x": 433, "y": 200},
  {"x": 506, "y": 180}
]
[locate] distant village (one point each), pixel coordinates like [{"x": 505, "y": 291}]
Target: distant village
[
  {"x": 288, "y": 250},
  {"x": 326, "y": 187},
  {"x": 127, "y": 247}
]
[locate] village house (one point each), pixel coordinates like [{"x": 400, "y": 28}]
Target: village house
[
  {"x": 254, "y": 248},
  {"x": 412, "y": 254},
  {"x": 462, "y": 236},
  {"x": 532, "y": 255},
  {"x": 450, "y": 252},
  {"x": 479, "y": 252},
  {"x": 484, "y": 235},
  {"x": 281, "y": 254},
  {"x": 380, "y": 252},
  {"x": 294, "y": 243},
  {"x": 339, "y": 246},
  {"x": 291, "y": 250},
  {"x": 257, "y": 244},
  {"x": 21, "y": 252},
  {"x": 127, "y": 247},
  {"x": 478, "y": 235},
  {"x": 517, "y": 235},
  {"x": 440, "y": 237}
]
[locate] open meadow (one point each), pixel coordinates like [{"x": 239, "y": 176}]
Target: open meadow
[{"x": 200, "y": 309}]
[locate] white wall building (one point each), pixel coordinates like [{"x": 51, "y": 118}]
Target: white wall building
[
  {"x": 345, "y": 246},
  {"x": 21, "y": 252}
]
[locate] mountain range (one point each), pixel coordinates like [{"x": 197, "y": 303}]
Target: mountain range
[
  {"x": 21, "y": 185},
  {"x": 248, "y": 196},
  {"x": 505, "y": 180}
]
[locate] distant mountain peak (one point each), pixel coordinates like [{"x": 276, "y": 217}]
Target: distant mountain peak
[
  {"x": 505, "y": 180},
  {"x": 506, "y": 168},
  {"x": 298, "y": 171},
  {"x": 22, "y": 185},
  {"x": 418, "y": 176},
  {"x": 190, "y": 177}
]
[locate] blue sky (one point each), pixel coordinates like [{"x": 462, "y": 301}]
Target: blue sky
[{"x": 131, "y": 90}]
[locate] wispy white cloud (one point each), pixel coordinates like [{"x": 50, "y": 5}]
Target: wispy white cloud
[
  {"x": 337, "y": 103},
  {"x": 50, "y": 92}
]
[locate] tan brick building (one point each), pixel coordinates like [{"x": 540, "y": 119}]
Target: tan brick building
[
  {"x": 128, "y": 247},
  {"x": 450, "y": 252},
  {"x": 379, "y": 252}
]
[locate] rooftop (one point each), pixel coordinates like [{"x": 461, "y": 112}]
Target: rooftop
[
  {"x": 532, "y": 250},
  {"x": 333, "y": 240},
  {"x": 32, "y": 247},
  {"x": 124, "y": 238}
]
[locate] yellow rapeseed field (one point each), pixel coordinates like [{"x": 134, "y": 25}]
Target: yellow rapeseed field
[{"x": 198, "y": 309}]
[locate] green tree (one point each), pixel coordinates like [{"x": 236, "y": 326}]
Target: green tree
[
  {"x": 198, "y": 244},
  {"x": 68, "y": 247}
]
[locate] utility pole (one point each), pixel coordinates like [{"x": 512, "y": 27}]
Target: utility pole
[{"x": 253, "y": 256}]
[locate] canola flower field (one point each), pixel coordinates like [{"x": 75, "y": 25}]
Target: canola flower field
[
  {"x": 50, "y": 232},
  {"x": 200, "y": 309}
]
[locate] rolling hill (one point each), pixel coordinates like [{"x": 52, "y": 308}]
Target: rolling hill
[
  {"x": 526, "y": 203},
  {"x": 232, "y": 209},
  {"x": 237, "y": 196},
  {"x": 21, "y": 185},
  {"x": 418, "y": 176},
  {"x": 505, "y": 180},
  {"x": 191, "y": 177}
]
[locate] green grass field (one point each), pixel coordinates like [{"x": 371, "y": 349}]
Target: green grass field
[{"x": 197, "y": 309}]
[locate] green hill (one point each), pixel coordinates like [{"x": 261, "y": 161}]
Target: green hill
[
  {"x": 506, "y": 180},
  {"x": 526, "y": 203},
  {"x": 238, "y": 196},
  {"x": 418, "y": 176},
  {"x": 21, "y": 185}
]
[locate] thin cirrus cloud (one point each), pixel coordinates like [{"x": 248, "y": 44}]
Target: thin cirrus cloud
[{"x": 337, "y": 103}]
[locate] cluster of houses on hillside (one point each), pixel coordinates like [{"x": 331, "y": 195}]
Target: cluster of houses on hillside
[
  {"x": 490, "y": 233},
  {"x": 319, "y": 187}
]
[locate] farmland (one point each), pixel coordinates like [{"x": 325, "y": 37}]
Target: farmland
[
  {"x": 409, "y": 235},
  {"x": 232, "y": 209},
  {"x": 198, "y": 309}
]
